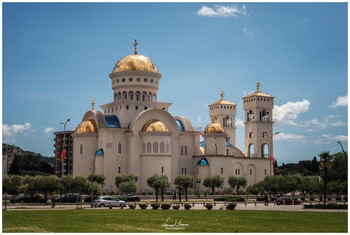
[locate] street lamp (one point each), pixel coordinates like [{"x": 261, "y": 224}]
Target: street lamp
[
  {"x": 198, "y": 182},
  {"x": 65, "y": 123},
  {"x": 271, "y": 159},
  {"x": 63, "y": 144}
]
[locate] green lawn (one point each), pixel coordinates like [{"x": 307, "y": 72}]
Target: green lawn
[{"x": 116, "y": 220}]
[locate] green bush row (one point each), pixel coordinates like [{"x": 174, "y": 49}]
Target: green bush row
[
  {"x": 327, "y": 206},
  {"x": 230, "y": 199}
]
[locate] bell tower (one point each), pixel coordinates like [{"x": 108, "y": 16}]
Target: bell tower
[
  {"x": 226, "y": 115},
  {"x": 258, "y": 108}
]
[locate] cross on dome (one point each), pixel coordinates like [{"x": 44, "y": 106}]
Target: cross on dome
[
  {"x": 222, "y": 95},
  {"x": 257, "y": 86},
  {"x": 135, "y": 45},
  {"x": 93, "y": 104}
]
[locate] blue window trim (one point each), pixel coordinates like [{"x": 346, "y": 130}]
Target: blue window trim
[
  {"x": 100, "y": 152},
  {"x": 180, "y": 124},
  {"x": 203, "y": 161},
  {"x": 112, "y": 121}
]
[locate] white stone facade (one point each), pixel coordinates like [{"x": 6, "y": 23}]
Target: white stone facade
[{"x": 138, "y": 135}]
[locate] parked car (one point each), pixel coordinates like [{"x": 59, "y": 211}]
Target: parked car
[
  {"x": 69, "y": 197},
  {"x": 287, "y": 200},
  {"x": 30, "y": 198},
  {"x": 88, "y": 199},
  {"x": 108, "y": 200},
  {"x": 130, "y": 198}
]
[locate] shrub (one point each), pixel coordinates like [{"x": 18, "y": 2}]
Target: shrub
[
  {"x": 131, "y": 206},
  {"x": 155, "y": 206},
  {"x": 338, "y": 198},
  {"x": 312, "y": 199},
  {"x": 187, "y": 206},
  {"x": 231, "y": 206},
  {"x": 230, "y": 199},
  {"x": 165, "y": 206},
  {"x": 176, "y": 207},
  {"x": 112, "y": 192},
  {"x": 209, "y": 206},
  {"x": 260, "y": 199},
  {"x": 143, "y": 206},
  {"x": 143, "y": 193},
  {"x": 328, "y": 206}
]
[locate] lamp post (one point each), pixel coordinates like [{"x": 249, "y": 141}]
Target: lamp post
[
  {"x": 63, "y": 144},
  {"x": 198, "y": 182},
  {"x": 271, "y": 147}
]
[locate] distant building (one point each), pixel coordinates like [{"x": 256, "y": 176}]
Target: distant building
[{"x": 63, "y": 141}]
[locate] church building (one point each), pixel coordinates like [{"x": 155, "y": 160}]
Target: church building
[{"x": 136, "y": 134}]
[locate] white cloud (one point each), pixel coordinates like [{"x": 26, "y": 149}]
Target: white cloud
[
  {"x": 239, "y": 123},
  {"x": 9, "y": 132},
  {"x": 341, "y": 101},
  {"x": 199, "y": 119},
  {"x": 287, "y": 136},
  {"x": 247, "y": 32},
  {"x": 223, "y": 11},
  {"x": 339, "y": 123},
  {"x": 287, "y": 113},
  {"x": 327, "y": 139},
  {"x": 49, "y": 129},
  {"x": 245, "y": 93}
]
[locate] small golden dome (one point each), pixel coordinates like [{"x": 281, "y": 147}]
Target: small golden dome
[
  {"x": 135, "y": 62},
  {"x": 87, "y": 127},
  {"x": 214, "y": 127},
  {"x": 155, "y": 125}
]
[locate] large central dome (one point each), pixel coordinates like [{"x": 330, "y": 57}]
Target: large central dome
[{"x": 135, "y": 62}]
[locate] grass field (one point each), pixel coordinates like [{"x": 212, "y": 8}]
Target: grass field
[{"x": 85, "y": 220}]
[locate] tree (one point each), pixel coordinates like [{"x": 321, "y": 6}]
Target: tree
[
  {"x": 215, "y": 181},
  {"x": 14, "y": 167},
  {"x": 128, "y": 187},
  {"x": 325, "y": 159},
  {"x": 164, "y": 184},
  {"x": 11, "y": 184},
  {"x": 183, "y": 181},
  {"x": 153, "y": 182},
  {"x": 126, "y": 183},
  {"x": 237, "y": 182}
]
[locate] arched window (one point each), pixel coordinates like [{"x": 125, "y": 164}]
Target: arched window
[
  {"x": 167, "y": 147},
  {"x": 81, "y": 149},
  {"x": 150, "y": 98},
  {"x": 144, "y": 96},
  {"x": 155, "y": 147},
  {"x": 215, "y": 149},
  {"x": 143, "y": 147},
  {"x": 119, "y": 95},
  {"x": 119, "y": 148},
  {"x": 161, "y": 147},
  {"x": 185, "y": 149},
  {"x": 264, "y": 116},
  {"x": 115, "y": 96},
  {"x": 250, "y": 116},
  {"x": 125, "y": 95},
  {"x": 265, "y": 151},
  {"x": 138, "y": 95},
  {"x": 251, "y": 151},
  {"x": 149, "y": 147},
  {"x": 182, "y": 150},
  {"x": 227, "y": 151},
  {"x": 131, "y": 95}
]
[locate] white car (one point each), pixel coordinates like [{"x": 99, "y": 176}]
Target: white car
[{"x": 107, "y": 201}]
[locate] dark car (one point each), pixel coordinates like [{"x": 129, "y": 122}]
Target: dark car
[
  {"x": 69, "y": 197},
  {"x": 287, "y": 201},
  {"x": 30, "y": 198},
  {"x": 88, "y": 199},
  {"x": 129, "y": 198}
]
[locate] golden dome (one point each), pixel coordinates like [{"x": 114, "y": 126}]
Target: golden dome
[
  {"x": 155, "y": 125},
  {"x": 214, "y": 127},
  {"x": 87, "y": 127},
  {"x": 135, "y": 62}
]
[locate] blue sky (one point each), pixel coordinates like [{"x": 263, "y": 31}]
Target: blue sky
[{"x": 57, "y": 58}]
